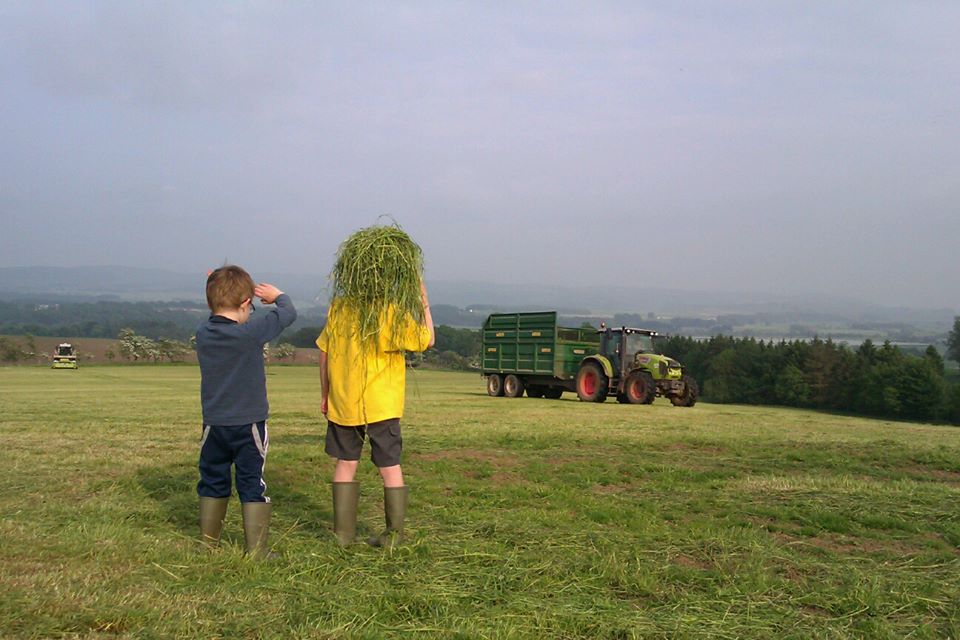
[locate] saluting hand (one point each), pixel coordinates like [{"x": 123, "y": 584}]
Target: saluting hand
[{"x": 266, "y": 292}]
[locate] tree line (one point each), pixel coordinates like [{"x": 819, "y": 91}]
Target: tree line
[
  {"x": 101, "y": 319},
  {"x": 134, "y": 347},
  {"x": 881, "y": 381}
]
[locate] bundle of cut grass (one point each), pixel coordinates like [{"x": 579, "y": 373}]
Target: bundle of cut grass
[{"x": 377, "y": 268}]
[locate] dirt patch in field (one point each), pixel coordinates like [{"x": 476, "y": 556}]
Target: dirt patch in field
[
  {"x": 919, "y": 472},
  {"x": 611, "y": 489},
  {"x": 689, "y": 446},
  {"x": 559, "y": 462},
  {"x": 819, "y": 612},
  {"x": 505, "y": 478},
  {"x": 690, "y": 562},
  {"x": 941, "y": 540},
  {"x": 844, "y": 545},
  {"x": 496, "y": 458},
  {"x": 473, "y": 462}
]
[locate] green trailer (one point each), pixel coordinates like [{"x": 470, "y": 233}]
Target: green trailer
[{"x": 529, "y": 352}]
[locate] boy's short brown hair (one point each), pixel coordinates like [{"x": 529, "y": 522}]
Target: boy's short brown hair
[{"x": 228, "y": 287}]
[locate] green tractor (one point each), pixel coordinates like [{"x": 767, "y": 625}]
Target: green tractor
[
  {"x": 64, "y": 356},
  {"x": 629, "y": 367}
]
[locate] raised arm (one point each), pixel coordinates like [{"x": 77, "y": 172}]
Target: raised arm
[
  {"x": 427, "y": 317},
  {"x": 272, "y": 323}
]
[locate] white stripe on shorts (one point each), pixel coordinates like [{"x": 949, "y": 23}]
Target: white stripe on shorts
[{"x": 262, "y": 446}]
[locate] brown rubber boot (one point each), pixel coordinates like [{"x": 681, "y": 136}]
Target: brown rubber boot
[
  {"x": 212, "y": 513},
  {"x": 256, "y": 527},
  {"x": 346, "y": 495},
  {"x": 394, "y": 512}
]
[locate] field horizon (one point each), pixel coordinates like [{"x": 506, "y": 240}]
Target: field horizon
[{"x": 529, "y": 518}]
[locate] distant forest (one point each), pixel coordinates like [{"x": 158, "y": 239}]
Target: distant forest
[
  {"x": 882, "y": 381},
  {"x": 102, "y": 319}
]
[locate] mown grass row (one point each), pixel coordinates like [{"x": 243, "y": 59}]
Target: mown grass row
[{"x": 528, "y": 518}]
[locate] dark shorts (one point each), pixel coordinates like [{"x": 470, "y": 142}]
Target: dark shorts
[
  {"x": 243, "y": 447},
  {"x": 345, "y": 443}
]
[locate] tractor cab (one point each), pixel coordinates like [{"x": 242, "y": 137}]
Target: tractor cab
[
  {"x": 64, "y": 356},
  {"x": 625, "y": 346}
]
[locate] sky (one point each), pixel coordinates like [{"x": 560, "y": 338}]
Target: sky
[{"x": 753, "y": 146}]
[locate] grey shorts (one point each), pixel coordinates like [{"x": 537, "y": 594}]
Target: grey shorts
[{"x": 345, "y": 443}]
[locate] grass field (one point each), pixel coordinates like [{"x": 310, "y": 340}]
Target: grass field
[{"x": 528, "y": 519}]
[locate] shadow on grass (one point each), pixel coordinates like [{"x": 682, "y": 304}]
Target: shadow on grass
[{"x": 173, "y": 488}]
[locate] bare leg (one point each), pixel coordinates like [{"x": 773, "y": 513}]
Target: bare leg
[
  {"x": 392, "y": 476},
  {"x": 345, "y": 470}
]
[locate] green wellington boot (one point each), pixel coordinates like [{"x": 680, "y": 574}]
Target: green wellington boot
[
  {"x": 394, "y": 511},
  {"x": 212, "y": 513},
  {"x": 346, "y": 495},
  {"x": 256, "y": 527}
]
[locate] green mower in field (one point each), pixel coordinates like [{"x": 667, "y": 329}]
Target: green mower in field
[{"x": 64, "y": 357}]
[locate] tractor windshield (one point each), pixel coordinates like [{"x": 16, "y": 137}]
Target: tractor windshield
[{"x": 639, "y": 343}]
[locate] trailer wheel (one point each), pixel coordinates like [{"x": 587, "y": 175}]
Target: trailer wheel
[
  {"x": 690, "y": 393},
  {"x": 639, "y": 388},
  {"x": 534, "y": 392},
  {"x": 512, "y": 386},
  {"x": 591, "y": 383},
  {"x": 553, "y": 393},
  {"x": 494, "y": 385}
]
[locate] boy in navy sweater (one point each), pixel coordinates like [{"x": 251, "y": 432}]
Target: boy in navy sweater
[{"x": 233, "y": 394}]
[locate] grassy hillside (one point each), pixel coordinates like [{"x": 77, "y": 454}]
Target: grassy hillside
[{"x": 528, "y": 518}]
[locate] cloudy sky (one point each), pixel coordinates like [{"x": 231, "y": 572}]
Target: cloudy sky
[{"x": 807, "y": 147}]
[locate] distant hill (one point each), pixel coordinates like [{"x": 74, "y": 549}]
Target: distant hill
[{"x": 134, "y": 283}]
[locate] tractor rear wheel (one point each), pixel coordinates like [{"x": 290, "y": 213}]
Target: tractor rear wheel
[
  {"x": 591, "y": 383},
  {"x": 553, "y": 393},
  {"x": 690, "y": 393},
  {"x": 639, "y": 388},
  {"x": 534, "y": 392},
  {"x": 494, "y": 385},
  {"x": 512, "y": 386}
]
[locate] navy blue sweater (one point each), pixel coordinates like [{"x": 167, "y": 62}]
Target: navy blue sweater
[{"x": 233, "y": 384}]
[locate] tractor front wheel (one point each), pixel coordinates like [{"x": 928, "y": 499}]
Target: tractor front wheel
[
  {"x": 690, "y": 393},
  {"x": 534, "y": 392},
  {"x": 639, "y": 388},
  {"x": 553, "y": 393},
  {"x": 512, "y": 386},
  {"x": 494, "y": 385},
  {"x": 591, "y": 383}
]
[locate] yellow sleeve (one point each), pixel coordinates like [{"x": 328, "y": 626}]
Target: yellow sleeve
[
  {"x": 322, "y": 341},
  {"x": 414, "y": 336}
]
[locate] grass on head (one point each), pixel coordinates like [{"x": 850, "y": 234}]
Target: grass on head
[{"x": 377, "y": 268}]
